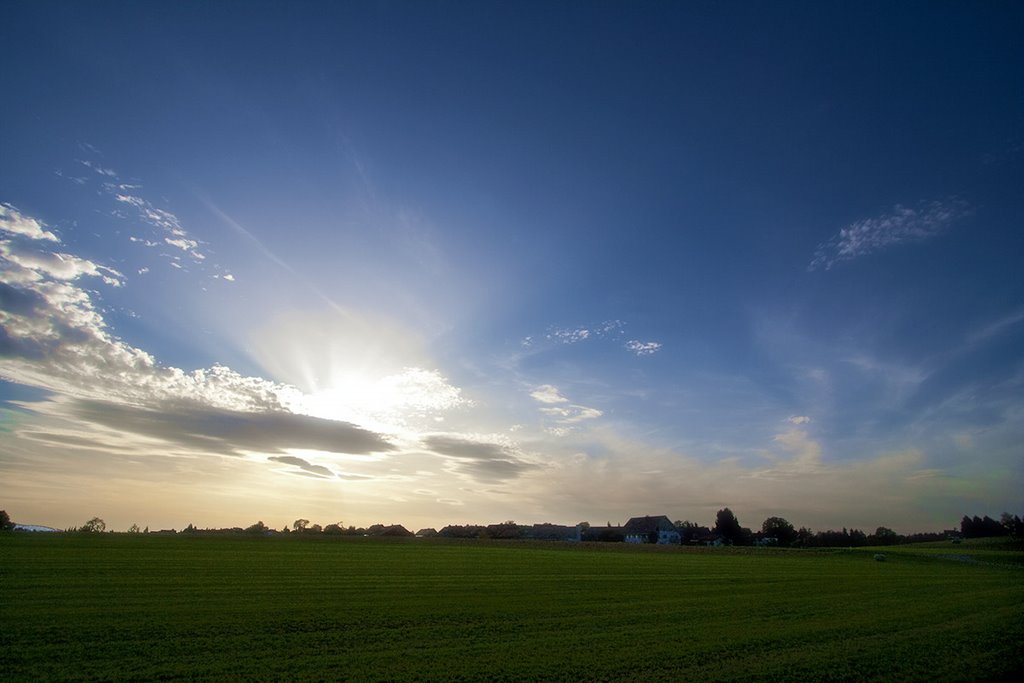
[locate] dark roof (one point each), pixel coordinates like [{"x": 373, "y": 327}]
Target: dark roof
[{"x": 646, "y": 525}]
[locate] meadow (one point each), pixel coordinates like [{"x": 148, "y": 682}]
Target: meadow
[{"x": 148, "y": 607}]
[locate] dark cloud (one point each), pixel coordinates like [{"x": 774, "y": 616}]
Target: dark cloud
[
  {"x": 456, "y": 447},
  {"x": 305, "y": 466},
  {"x": 494, "y": 470},
  {"x": 20, "y": 301},
  {"x": 480, "y": 460},
  {"x": 231, "y": 432}
]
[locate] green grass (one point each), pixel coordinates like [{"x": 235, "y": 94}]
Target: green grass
[{"x": 120, "y": 607}]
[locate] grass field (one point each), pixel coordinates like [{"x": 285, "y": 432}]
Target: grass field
[{"x": 144, "y": 607}]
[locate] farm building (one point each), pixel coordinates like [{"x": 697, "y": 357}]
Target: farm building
[{"x": 651, "y": 530}]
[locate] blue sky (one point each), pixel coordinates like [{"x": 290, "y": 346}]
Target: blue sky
[{"x": 430, "y": 263}]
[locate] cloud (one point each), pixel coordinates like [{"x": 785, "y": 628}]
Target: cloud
[
  {"x": 421, "y": 390},
  {"x": 609, "y": 329},
  {"x": 547, "y": 393},
  {"x": 481, "y": 460},
  {"x": 573, "y": 335},
  {"x": 611, "y": 477},
  {"x": 469, "y": 449},
  {"x": 304, "y": 466},
  {"x": 569, "y": 336},
  {"x": 53, "y": 337},
  {"x": 150, "y": 214},
  {"x": 572, "y": 414},
  {"x": 901, "y": 225},
  {"x": 997, "y": 327},
  {"x": 643, "y": 348},
  {"x": 208, "y": 429},
  {"x": 164, "y": 221},
  {"x": 57, "y": 265},
  {"x": 14, "y": 222},
  {"x": 183, "y": 244},
  {"x": 798, "y": 419},
  {"x": 555, "y": 407},
  {"x": 106, "y": 172}
]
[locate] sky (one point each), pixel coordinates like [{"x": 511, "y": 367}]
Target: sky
[{"x": 465, "y": 262}]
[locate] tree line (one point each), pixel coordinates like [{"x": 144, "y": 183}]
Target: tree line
[{"x": 727, "y": 530}]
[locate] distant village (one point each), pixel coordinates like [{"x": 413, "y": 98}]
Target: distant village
[{"x": 648, "y": 529}]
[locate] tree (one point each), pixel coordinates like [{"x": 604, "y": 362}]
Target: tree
[
  {"x": 257, "y": 528},
  {"x": 978, "y": 527},
  {"x": 133, "y": 529},
  {"x": 779, "y": 529},
  {"x": 5, "y": 521},
  {"x": 1013, "y": 524},
  {"x": 94, "y": 526},
  {"x": 300, "y": 524},
  {"x": 727, "y": 526},
  {"x": 883, "y": 536}
]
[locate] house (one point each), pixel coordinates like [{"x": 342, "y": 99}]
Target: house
[
  {"x": 651, "y": 530},
  {"x": 602, "y": 534}
]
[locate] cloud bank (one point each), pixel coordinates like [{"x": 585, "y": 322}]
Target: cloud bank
[{"x": 52, "y": 336}]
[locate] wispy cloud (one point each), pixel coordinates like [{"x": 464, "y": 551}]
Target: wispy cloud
[
  {"x": 557, "y": 406},
  {"x": 572, "y": 414},
  {"x": 547, "y": 393},
  {"x": 643, "y": 348},
  {"x": 96, "y": 167},
  {"x": 997, "y": 327},
  {"x": 167, "y": 226},
  {"x": 609, "y": 329},
  {"x": 901, "y": 225},
  {"x": 572, "y": 335}
]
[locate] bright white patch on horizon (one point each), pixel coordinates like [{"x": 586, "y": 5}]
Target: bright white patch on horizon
[
  {"x": 901, "y": 225},
  {"x": 386, "y": 403}
]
